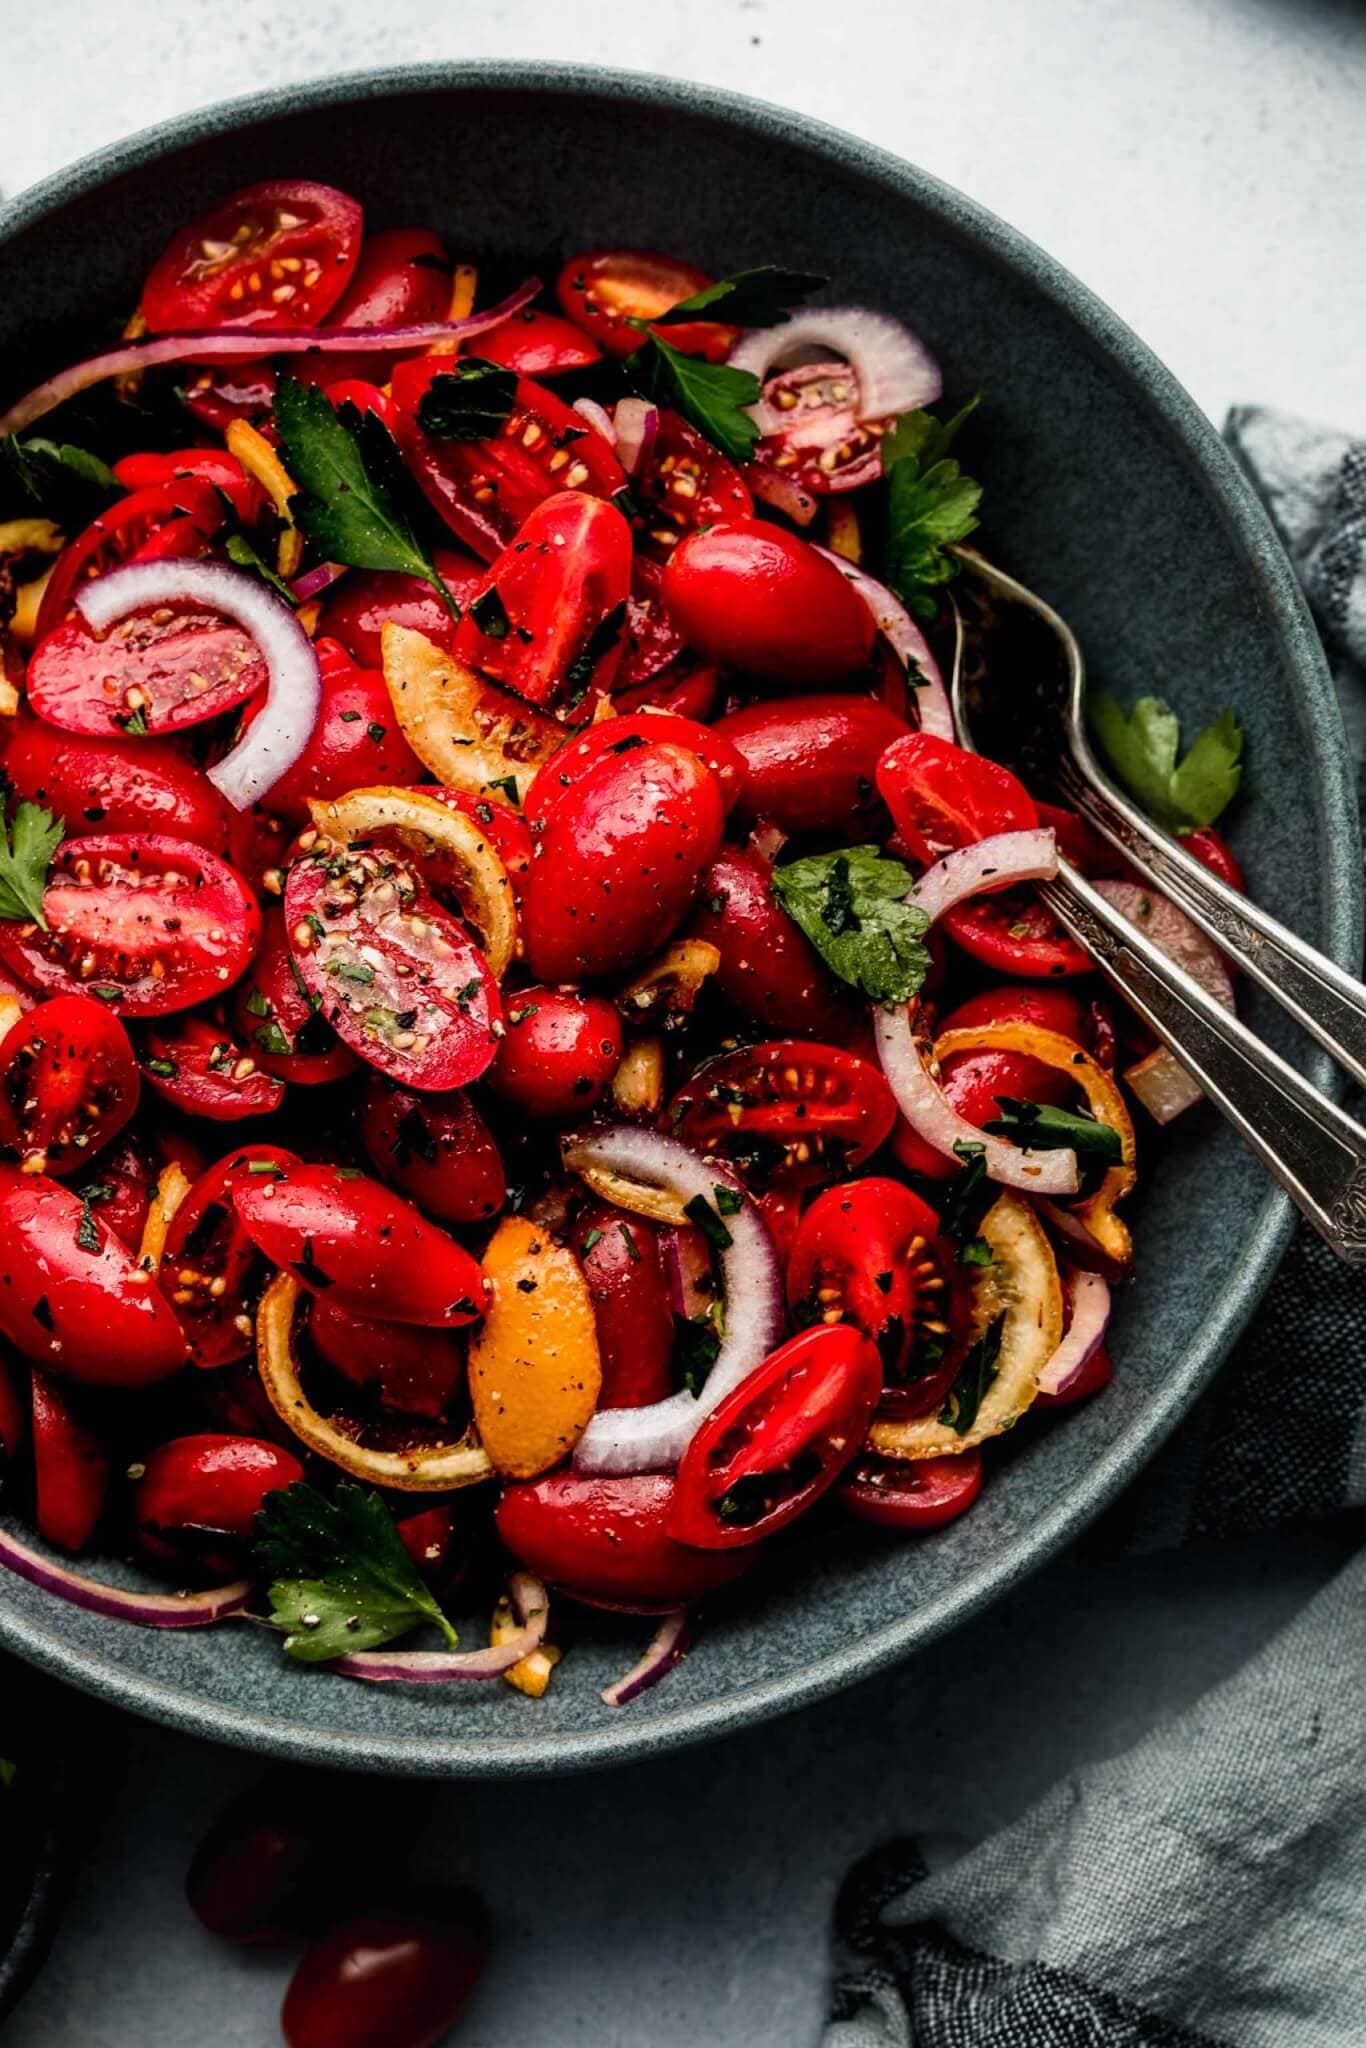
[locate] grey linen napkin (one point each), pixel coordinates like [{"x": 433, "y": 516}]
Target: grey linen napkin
[{"x": 1207, "y": 1889}]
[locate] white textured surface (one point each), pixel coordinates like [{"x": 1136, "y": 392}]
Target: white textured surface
[{"x": 1201, "y": 163}]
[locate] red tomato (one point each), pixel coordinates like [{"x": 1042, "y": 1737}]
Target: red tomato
[
  {"x": 810, "y": 762},
  {"x": 414, "y": 1371},
  {"x": 433, "y": 1539},
  {"x": 390, "y": 1979},
  {"x": 781, "y": 1209},
  {"x": 355, "y": 742},
  {"x": 486, "y": 490},
  {"x": 788, "y": 1111},
  {"x": 777, "y": 1441},
  {"x": 549, "y": 618},
  {"x": 361, "y": 605},
  {"x": 685, "y": 484},
  {"x": 198, "y": 1067},
  {"x": 274, "y": 1013},
  {"x": 239, "y": 391},
  {"x": 72, "y": 1298},
  {"x": 436, "y": 1149},
  {"x": 605, "y": 1541},
  {"x": 504, "y": 829},
  {"x": 68, "y": 1084},
  {"x": 402, "y": 278},
  {"x": 278, "y": 254},
  {"x": 916, "y": 1493},
  {"x": 156, "y": 671},
  {"x": 972, "y": 1081},
  {"x": 560, "y": 1052},
  {"x": 620, "y": 863},
  {"x": 1209, "y": 846},
  {"x": 119, "y": 1188},
  {"x": 259, "y": 1873},
  {"x": 652, "y": 638},
  {"x": 940, "y": 796},
  {"x": 146, "y": 923},
  {"x": 1011, "y": 933},
  {"x": 555, "y": 784},
  {"x": 368, "y": 1249},
  {"x": 115, "y": 785},
  {"x": 688, "y": 688},
  {"x": 164, "y": 520},
  {"x": 1079, "y": 843},
  {"x": 197, "y": 1501},
  {"x": 357, "y": 392},
  {"x": 212, "y": 465},
  {"x": 823, "y": 446},
  {"x": 537, "y": 344},
  {"x": 1097, "y": 1372},
  {"x": 623, "y": 1267},
  {"x": 206, "y": 1245},
  {"x": 758, "y": 599},
  {"x": 15, "y": 1403},
  {"x": 71, "y": 1470},
  {"x": 400, "y": 981},
  {"x": 768, "y": 972},
  {"x": 607, "y": 291}
]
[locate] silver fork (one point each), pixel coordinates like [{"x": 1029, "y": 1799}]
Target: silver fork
[{"x": 1312, "y": 1147}]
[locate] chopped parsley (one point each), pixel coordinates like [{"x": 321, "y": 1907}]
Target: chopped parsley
[
  {"x": 470, "y": 403},
  {"x": 700, "y": 1211},
  {"x": 697, "y": 1345},
  {"x": 490, "y": 614},
  {"x": 976, "y": 1376},
  {"x": 852, "y": 907},
  {"x": 1045, "y": 1129},
  {"x": 87, "y": 1230}
]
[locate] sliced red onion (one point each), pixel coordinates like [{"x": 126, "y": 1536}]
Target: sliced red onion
[
  {"x": 1084, "y": 1251},
  {"x": 668, "y": 1646},
  {"x": 318, "y": 580},
  {"x": 931, "y": 1115},
  {"x": 654, "y": 1438},
  {"x": 910, "y": 646},
  {"x": 635, "y": 423},
  {"x": 996, "y": 863},
  {"x": 455, "y": 1667},
  {"x": 252, "y": 344},
  {"x": 782, "y": 492},
  {"x": 122, "y": 1603},
  {"x": 273, "y": 741},
  {"x": 1160, "y": 1081},
  {"x": 895, "y": 371},
  {"x": 1089, "y": 1297},
  {"x": 598, "y": 418}
]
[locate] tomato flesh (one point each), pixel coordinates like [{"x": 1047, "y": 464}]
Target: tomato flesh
[
  {"x": 281, "y": 1022},
  {"x": 71, "y": 1469},
  {"x": 278, "y": 254},
  {"x": 198, "y": 1067},
  {"x": 607, "y": 1542},
  {"x": 632, "y": 1310},
  {"x": 685, "y": 484},
  {"x": 160, "y": 521},
  {"x": 537, "y": 344},
  {"x": 822, "y": 445},
  {"x": 436, "y": 1149},
  {"x": 155, "y": 671},
  {"x": 789, "y": 1111},
  {"x": 607, "y": 291},
  {"x": 941, "y": 797},
  {"x": 211, "y": 1271},
  {"x": 211, "y": 465},
  {"x": 68, "y": 1084}
]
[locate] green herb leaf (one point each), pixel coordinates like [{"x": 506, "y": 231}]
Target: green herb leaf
[
  {"x": 852, "y": 907},
  {"x": 697, "y": 1345},
  {"x": 1142, "y": 749},
  {"x": 87, "y": 1230},
  {"x": 8, "y": 1772},
  {"x": 700, "y": 1211},
  {"x": 975, "y": 1377},
  {"x": 711, "y": 396},
  {"x": 66, "y": 484},
  {"x": 354, "y": 495},
  {"x": 469, "y": 404},
  {"x": 752, "y": 298},
  {"x": 593, "y": 1237},
  {"x": 600, "y": 641},
  {"x": 508, "y": 785},
  {"x": 1046, "y": 1129},
  {"x": 272, "y": 1039},
  {"x": 241, "y": 551},
  {"x": 340, "y": 1577},
  {"x": 960, "y": 1203},
  {"x": 490, "y": 614},
  {"x": 632, "y": 1248},
  {"x": 976, "y": 1252},
  {"x": 930, "y": 503},
  {"x": 26, "y": 849},
  {"x": 729, "y": 1201}
]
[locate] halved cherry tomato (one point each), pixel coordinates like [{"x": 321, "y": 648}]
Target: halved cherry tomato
[
  {"x": 537, "y": 344},
  {"x": 119, "y": 1187},
  {"x": 212, "y": 465},
  {"x": 68, "y": 1084},
  {"x": 778, "y": 1440},
  {"x": 392, "y": 1978},
  {"x": 199, "y": 1067},
  {"x": 71, "y": 1469},
  {"x": 146, "y": 923},
  {"x": 940, "y": 796},
  {"x": 560, "y": 1052},
  {"x": 413, "y": 1371},
  {"x": 355, "y": 742},
  {"x": 279, "y": 254},
  {"x": 608, "y": 738},
  {"x": 370, "y": 1251},
  {"x": 164, "y": 520},
  {"x": 277, "y": 1016},
  {"x": 606, "y": 1542},
  {"x": 652, "y": 638},
  {"x": 72, "y": 1297},
  {"x": 402, "y": 276},
  {"x": 360, "y": 393},
  {"x": 685, "y": 484},
  {"x": 973, "y": 1081},
  {"x": 197, "y": 1501},
  {"x": 917, "y": 1493},
  {"x": 622, "y": 1264},
  {"x": 504, "y": 829},
  {"x": 607, "y": 291},
  {"x": 822, "y": 445},
  {"x": 789, "y": 1111},
  {"x": 485, "y": 490},
  {"x": 357, "y": 612},
  {"x": 211, "y": 1270},
  {"x": 1209, "y": 846},
  {"x": 155, "y": 671},
  {"x": 755, "y": 598},
  {"x": 810, "y": 762},
  {"x": 1012, "y": 933},
  {"x": 436, "y": 1149},
  {"x": 619, "y": 864},
  {"x": 781, "y": 1209},
  {"x": 1097, "y": 1372},
  {"x": 768, "y": 971},
  {"x": 115, "y": 785},
  {"x": 549, "y": 618},
  {"x": 1083, "y": 846},
  {"x": 237, "y": 391}
]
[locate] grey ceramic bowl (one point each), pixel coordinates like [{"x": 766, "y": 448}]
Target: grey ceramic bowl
[{"x": 1107, "y": 490}]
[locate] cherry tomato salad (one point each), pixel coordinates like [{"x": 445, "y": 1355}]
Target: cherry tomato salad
[{"x": 530, "y": 1058}]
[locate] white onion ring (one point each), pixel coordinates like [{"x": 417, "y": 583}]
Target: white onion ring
[
  {"x": 598, "y": 418},
  {"x": 667, "y": 1646},
  {"x": 122, "y": 1603},
  {"x": 895, "y": 371},
  {"x": 1089, "y": 1298},
  {"x": 635, "y": 422},
  {"x": 654, "y": 1438},
  {"x": 931, "y": 1115},
  {"x": 910, "y": 646},
  {"x": 996, "y": 863},
  {"x": 455, "y": 1667},
  {"x": 275, "y": 739},
  {"x": 252, "y": 343}
]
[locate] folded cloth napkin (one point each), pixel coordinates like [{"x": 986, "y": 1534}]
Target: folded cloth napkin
[{"x": 1208, "y": 1889}]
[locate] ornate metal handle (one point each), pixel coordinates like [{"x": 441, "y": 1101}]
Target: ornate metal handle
[{"x": 1313, "y": 1148}]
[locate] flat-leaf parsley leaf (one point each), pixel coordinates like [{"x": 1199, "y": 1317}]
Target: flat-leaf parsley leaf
[
  {"x": 341, "y": 1579},
  {"x": 930, "y": 503},
  {"x": 1143, "y": 751},
  {"x": 852, "y": 907},
  {"x": 26, "y": 850}
]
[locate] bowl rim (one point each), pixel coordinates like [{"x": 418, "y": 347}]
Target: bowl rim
[{"x": 1176, "y": 415}]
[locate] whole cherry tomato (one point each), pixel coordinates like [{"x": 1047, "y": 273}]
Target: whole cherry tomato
[
  {"x": 768, "y": 971},
  {"x": 395, "y": 1978},
  {"x": 71, "y": 1469},
  {"x": 972, "y": 1081},
  {"x": 68, "y": 1084},
  {"x": 912, "y": 1493},
  {"x": 263, "y": 1866},
  {"x": 436, "y": 1149},
  {"x": 115, "y": 785},
  {"x": 279, "y": 254},
  {"x": 283, "y": 1024},
  {"x": 197, "y": 1066},
  {"x": 355, "y": 742},
  {"x": 622, "y": 1264},
  {"x": 197, "y": 1500},
  {"x": 609, "y": 293},
  {"x": 402, "y": 277},
  {"x": 211, "y": 1271},
  {"x": 940, "y": 796},
  {"x": 606, "y": 1541},
  {"x": 608, "y": 738},
  {"x": 211, "y": 465},
  {"x": 358, "y": 609},
  {"x": 765, "y": 601},
  {"x": 560, "y": 1052},
  {"x": 413, "y": 1372},
  {"x": 537, "y": 344},
  {"x": 789, "y": 1111},
  {"x": 810, "y": 762}
]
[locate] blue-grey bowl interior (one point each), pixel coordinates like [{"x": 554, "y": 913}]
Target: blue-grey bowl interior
[{"x": 1107, "y": 491}]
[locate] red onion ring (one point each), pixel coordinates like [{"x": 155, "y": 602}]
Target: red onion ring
[
  {"x": 1160, "y": 1081},
  {"x": 908, "y": 643},
  {"x": 318, "y": 580},
  {"x": 1084, "y": 1251},
  {"x": 931, "y": 1115},
  {"x": 273, "y": 741},
  {"x": 635, "y": 422},
  {"x": 996, "y": 863},
  {"x": 654, "y": 1438},
  {"x": 598, "y": 418},
  {"x": 454, "y": 1667},
  {"x": 687, "y": 1269},
  {"x": 668, "y": 1646},
  {"x": 252, "y": 343},
  {"x": 1089, "y": 1297},
  {"x": 782, "y": 492},
  {"x": 895, "y": 371},
  {"x": 122, "y": 1603}
]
